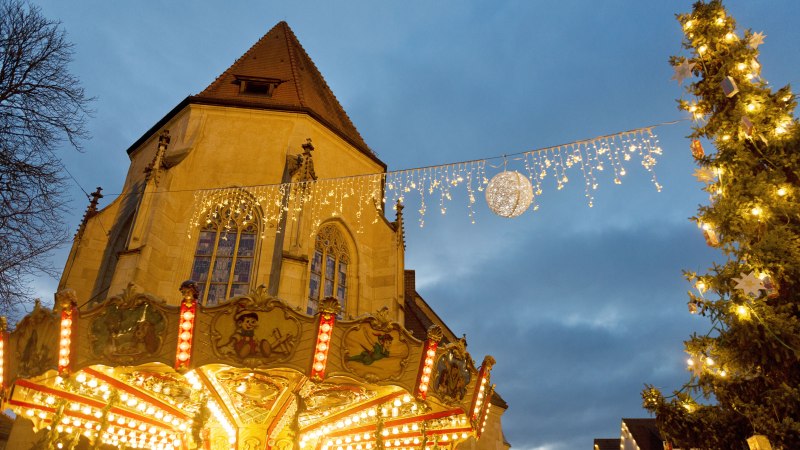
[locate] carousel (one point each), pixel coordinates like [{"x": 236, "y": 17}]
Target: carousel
[{"x": 251, "y": 373}]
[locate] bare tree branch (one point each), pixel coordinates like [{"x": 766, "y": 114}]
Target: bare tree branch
[{"x": 42, "y": 105}]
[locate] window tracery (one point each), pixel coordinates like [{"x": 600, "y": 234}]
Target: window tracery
[
  {"x": 329, "y": 268},
  {"x": 224, "y": 260}
]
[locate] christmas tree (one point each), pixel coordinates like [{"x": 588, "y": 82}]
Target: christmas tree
[{"x": 745, "y": 372}]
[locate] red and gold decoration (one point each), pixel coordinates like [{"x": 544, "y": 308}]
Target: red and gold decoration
[
  {"x": 426, "y": 361},
  {"x": 329, "y": 307},
  {"x": 186, "y": 325},
  {"x": 240, "y": 379},
  {"x": 68, "y": 311}
]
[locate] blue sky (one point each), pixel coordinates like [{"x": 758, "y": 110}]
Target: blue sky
[{"x": 580, "y": 306}]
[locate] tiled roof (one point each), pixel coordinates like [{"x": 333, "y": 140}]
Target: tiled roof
[{"x": 279, "y": 57}]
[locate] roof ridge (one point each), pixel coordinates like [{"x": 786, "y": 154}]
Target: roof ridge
[
  {"x": 341, "y": 111},
  {"x": 293, "y": 61}
]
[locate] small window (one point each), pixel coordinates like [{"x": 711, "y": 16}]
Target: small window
[
  {"x": 255, "y": 88},
  {"x": 329, "y": 265},
  {"x": 262, "y": 87}
]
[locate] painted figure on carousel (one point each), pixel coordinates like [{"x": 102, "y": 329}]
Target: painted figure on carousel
[
  {"x": 243, "y": 342},
  {"x": 379, "y": 350}
]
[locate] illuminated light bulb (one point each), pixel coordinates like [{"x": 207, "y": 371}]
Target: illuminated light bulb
[
  {"x": 742, "y": 312},
  {"x": 709, "y": 361},
  {"x": 751, "y": 106},
  {"x": 756, "y": 211},
  {"x": 693, "y": 108},
  {"x": 726, "y": 137},
  {"x": 690, "y": 362},
  {"x": 688, "y": 25},
  {"x": 720, "y": 21},
  {"x": 722, "y": 373},
  {"x": 781, "y": 191},
  {"x": 741, "y": 66},
  {"x": 780, "y": 130},
  {"x": 702, "y": 49},
  {"x": 730, "y": 37}
]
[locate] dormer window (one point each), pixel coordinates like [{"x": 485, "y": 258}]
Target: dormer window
[{"x": 257, "y": 86}]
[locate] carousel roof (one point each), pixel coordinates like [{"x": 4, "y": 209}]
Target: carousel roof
[{"x": 250, "y": 372}]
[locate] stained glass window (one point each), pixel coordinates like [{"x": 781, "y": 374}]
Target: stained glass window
[
  {"x": 329, "y": 264},
  {"x": 224, "y": 259}
]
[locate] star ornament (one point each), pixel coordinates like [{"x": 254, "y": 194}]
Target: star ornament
[
  {"x": 705, "y": 175},
  {"x": 750, "y": 284},
  {"x": 683, "y": 71},
  {"x": 756, "y": 39}
]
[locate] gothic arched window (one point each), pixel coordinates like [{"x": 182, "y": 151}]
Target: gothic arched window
[
  {"x": 224, "y": 260},
  {"x": 329, "y": 268}
]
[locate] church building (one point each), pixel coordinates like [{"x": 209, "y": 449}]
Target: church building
[{"x": 247, "y": 290}]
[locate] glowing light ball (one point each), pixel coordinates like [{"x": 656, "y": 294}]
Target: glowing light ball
[{"x": 509, "y": 194}]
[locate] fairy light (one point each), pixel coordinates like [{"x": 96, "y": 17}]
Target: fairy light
[
  {"x": 366, "y": 195},
  {"x": 701, "y": 286},
  {"x": 742, "y": 312}
]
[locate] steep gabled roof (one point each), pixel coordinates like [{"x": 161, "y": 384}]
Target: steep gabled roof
[
  {"x": 279, "y": 62},
  {"x": 279, "y": 59}
]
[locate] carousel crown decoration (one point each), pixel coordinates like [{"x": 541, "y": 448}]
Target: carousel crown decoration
[
  {"x": 435, "y": 333},
  {"x": 330, "y": 305}
]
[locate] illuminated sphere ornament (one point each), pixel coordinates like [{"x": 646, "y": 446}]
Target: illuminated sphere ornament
[{"x": 509, "y": 194}]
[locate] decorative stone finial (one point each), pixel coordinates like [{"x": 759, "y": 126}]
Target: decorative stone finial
[
  {"x": 91, "y": 210},
  {"x": 308, "y": 147},
  {"x": 189, "y": 290},
  {"x": 488, "y": 362}
]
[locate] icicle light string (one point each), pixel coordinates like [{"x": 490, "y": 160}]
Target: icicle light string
[{"x": 432, "y": 185}]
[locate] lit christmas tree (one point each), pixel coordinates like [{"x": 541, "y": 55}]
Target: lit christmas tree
[{"x": 745, "y": 383}]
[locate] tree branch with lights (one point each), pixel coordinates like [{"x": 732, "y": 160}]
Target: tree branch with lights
[{"x": 745, "y": 373}]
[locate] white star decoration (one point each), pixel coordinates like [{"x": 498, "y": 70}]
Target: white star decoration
[
  {"x": 683, "y": 71},
  {"x": 749, "y": 283},
  {"x": 756, "y": 39},
  {"x": 705, "y": 175}
]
